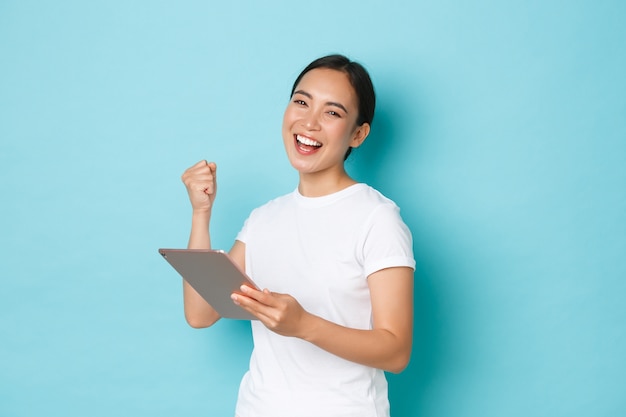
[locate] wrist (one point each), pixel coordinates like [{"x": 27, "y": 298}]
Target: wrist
[
  {"x": 308, "y": 328},
  {"x": 201, "y": 214},
  {"x": 200, "y": 221}
]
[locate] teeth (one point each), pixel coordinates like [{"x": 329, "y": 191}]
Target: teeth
[{"x": 307, "y": 141}]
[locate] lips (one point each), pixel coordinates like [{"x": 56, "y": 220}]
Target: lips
[
  {"x": 306, "y": 145},
  {"x": 307, "y": 141}
]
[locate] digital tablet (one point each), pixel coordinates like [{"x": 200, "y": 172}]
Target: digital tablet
[{"x": 214, "y": 275}]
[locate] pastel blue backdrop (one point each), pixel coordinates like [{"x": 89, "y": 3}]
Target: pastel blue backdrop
[{"x": 500, "y": 132}]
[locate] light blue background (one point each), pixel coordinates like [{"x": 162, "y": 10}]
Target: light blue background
[{"x": 500, "y": 132}]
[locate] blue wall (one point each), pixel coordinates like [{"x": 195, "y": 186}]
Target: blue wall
[{"x": 500, "y": 132}]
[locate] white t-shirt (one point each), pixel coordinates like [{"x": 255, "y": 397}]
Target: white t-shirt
[{"x": 321, "y": 251}]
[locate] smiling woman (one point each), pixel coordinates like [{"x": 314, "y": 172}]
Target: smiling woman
[
  {"x": 320, "y": 126},
  {"x": 334, "y": 258},
  {"x": 359, "y": 81}
]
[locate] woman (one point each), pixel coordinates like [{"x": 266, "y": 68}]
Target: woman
[{"x": 334, "y": 256}]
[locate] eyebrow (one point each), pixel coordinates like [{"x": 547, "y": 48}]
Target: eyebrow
[{"x": 328, "y": 103}]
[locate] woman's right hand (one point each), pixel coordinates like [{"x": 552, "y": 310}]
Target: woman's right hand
[{"x": 201, "y": 183}]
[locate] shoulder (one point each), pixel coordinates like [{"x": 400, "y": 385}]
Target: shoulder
[
  {"x": 274, "y": 206},
  {"x": 264, "y": 217},
  {"x": 382, "y": 213},
  {"x": 373, "y": 201}
]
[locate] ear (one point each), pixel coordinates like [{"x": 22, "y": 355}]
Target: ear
[{"x": 360, "y": 134}]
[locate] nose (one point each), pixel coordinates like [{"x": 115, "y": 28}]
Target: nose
[{"x": 311, "y": 120}]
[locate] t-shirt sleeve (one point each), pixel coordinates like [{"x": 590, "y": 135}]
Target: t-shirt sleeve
[
  {"x": 244, "y": 233},
  {"x": 387, "y": 241}
]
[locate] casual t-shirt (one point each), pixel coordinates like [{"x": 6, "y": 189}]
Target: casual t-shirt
[{"x": 321, "y": 251}]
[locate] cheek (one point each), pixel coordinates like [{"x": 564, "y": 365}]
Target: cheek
[
  {"x": 288, "y": 118},
  {"x": 286, "y": 128},
  {"x": 285, "y": 120},
  {"x": 343, "y": 133}
]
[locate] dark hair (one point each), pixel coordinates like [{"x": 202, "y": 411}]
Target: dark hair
[{"x": 359, "y": 79}]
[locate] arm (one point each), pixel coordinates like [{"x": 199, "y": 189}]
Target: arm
[
  {"x": 387, "y": 346},
  {"x": 200, "y": 181}
]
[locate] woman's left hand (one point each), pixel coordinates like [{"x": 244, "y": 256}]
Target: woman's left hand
[{"x": 280, "y": 313}]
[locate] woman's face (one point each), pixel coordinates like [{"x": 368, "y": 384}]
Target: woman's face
[{"x": 319, "y": 124}]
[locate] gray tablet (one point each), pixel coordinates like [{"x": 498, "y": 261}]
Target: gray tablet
[{"x": 214, "y": 275}]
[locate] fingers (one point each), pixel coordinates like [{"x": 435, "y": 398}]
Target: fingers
[
  {"x": 201, "y": 176},
  {"x": 213, "y": 167},
  {"x": 203, "y": 163},
  {"x": 200, "y": 164},
  {"x": 202, "y": 169},
  {"x": 264, "y": 297},
  {"x": 260, "y": 303},
  {"x": 201, "y": 183},
  {"x": 280, "y": 313}
]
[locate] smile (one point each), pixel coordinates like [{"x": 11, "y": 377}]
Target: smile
[{"x": 307, "y": 141}]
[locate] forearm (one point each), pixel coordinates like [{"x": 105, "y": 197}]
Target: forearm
[
  {"x": 378, "y": 348},
  {"x": 200, "y": 236},
  {"x": 198, "y": 312},
  {"x": 387, "y": 346}
]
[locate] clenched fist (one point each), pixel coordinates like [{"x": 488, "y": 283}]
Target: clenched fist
[{"x": 201, "y": 183}]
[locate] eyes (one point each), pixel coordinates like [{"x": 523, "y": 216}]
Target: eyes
[{"x": 331, "y": 111}]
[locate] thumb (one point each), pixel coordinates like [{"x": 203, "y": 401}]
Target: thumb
[{"x": 213, "y": 167}]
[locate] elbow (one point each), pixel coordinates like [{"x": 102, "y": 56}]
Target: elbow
[
  {"x": 397, "y": 368},
  {"x": 398, "y": 363},
  {"x": 198, "y": 322}
]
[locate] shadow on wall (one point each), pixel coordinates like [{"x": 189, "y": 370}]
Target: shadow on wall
[{"x": 377, "y": 163}]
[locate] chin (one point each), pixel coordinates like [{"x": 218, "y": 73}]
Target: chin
[{"x": 303, "y": 167}]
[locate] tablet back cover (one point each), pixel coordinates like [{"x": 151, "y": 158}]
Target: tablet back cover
[{"x": 213, "y": 275}]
